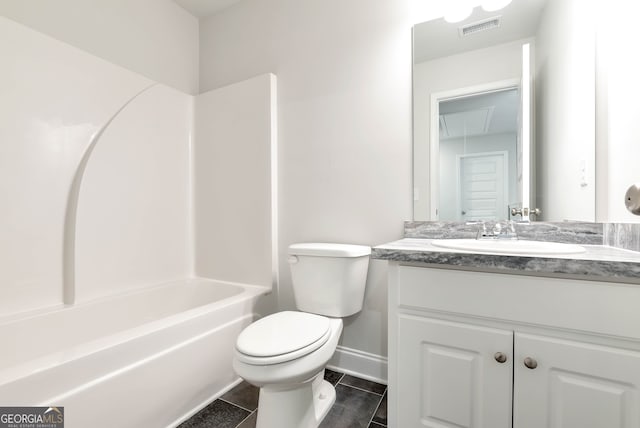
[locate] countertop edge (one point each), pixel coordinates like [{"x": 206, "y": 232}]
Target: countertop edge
[{"x": 585, "y": 269}]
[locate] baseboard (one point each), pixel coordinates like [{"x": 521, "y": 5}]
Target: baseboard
[{"x": 361, "y": 364}]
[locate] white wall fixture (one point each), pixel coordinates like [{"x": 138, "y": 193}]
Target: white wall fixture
[
  {"x": 54, "y": 99},
  {"x": 632, "y": 199},
  {"x": 132, "y": 225},
  {"x": 236, "y": 182},
  {"x": 69, "y": 254}
]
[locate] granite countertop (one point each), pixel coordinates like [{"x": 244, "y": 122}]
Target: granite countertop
[{"x": 598, "y": 263}]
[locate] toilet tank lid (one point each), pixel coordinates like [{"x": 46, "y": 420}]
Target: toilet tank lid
[{"x": 325, "y": 249}]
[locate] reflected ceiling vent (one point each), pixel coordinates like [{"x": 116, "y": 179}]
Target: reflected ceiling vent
[{"x": 478, "y": 26}]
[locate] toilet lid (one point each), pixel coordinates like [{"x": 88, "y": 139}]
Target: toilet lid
[{"x": 282, "y": 336}]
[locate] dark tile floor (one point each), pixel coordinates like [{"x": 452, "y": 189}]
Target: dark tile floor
[{"x": 359, "y": 404}]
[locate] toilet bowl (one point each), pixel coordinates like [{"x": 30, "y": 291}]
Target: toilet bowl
[
  {"x": 285, "y": 353},
  {"x": 293, "y": 390}
]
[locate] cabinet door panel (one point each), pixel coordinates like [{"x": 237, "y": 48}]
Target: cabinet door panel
[
  {"x": 448, "y": 375},
  {"x": 575, "y": 385}
]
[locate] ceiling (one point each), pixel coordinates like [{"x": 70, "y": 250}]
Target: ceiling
[
  {"x": 482, "y": 114},
  {"x": 438, "y": 38},
  {"x": 204, "y": 8}
]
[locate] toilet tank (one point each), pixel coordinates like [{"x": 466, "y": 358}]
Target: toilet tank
[{"x": 329, "y": 279}]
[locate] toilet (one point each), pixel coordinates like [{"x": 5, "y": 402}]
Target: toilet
[{"x": 285, "y": 354}]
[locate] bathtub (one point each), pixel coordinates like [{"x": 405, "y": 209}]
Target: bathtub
[{"x": 149, "y": 358}]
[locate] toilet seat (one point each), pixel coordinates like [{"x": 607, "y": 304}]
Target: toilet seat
[{"x": 282, "y": 337}]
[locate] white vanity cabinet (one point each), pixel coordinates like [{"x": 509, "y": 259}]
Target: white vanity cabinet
[
  {"x": 447, "y": 373},
  {"x": 488, "y": 350},
  {"x": 575, "y": 384}
]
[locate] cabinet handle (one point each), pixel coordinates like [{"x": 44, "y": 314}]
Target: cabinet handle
[
  {"x": 530, "y": 363},
  {"x": 500, "y": 357}
]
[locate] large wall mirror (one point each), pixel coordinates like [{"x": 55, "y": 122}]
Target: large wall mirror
[{"x": 504, "y": 114}]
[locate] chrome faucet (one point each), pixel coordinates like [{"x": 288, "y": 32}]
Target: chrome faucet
[{"x": 505, "y": 229}]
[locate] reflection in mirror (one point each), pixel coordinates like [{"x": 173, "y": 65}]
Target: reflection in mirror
[
  {"x": 478, "y": 156},
  {"x": 470, "y": 162}
]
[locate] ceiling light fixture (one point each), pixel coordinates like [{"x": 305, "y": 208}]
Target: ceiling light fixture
[
  {"x": 493, "y": 5},
  {"x": 458, "y": 11}
]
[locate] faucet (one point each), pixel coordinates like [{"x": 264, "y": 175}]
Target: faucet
[{"x": 504, "y": 229}]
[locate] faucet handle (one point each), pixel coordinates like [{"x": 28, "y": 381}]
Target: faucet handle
[
  {"x": 497, "y": 228},
  {"x": 482, "y": 229}
]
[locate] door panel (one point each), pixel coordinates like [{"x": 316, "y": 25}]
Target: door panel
[
  {"x": 575, "y": 385},
  {"x": 448, "y": 375},
  {"x": 483, "y": 186}
]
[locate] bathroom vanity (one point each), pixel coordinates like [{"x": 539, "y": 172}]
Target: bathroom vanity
[{"x": 498, "y": 340}]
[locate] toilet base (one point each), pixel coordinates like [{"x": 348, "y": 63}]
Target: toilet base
[{"x": 295, "y": 406}]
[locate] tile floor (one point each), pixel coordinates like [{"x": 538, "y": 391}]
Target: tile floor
[{"x": 359, "y": 404}]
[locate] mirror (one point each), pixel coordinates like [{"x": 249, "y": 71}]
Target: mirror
[{"x": 504, "y": 114}]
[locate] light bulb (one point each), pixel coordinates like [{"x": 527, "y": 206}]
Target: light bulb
[
  {"x": 493, "y": 5},
  {"x": 458, "y": 11}
]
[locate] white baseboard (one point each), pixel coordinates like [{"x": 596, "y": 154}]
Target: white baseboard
[{"x": 361, "y": 364}]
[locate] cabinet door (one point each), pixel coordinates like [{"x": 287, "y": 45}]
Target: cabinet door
[
  {"x": 575, "y": 385},
  {"x": 448, "y": 375}
]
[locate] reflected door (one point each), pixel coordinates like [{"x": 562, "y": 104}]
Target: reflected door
[
  {"x": 476, "y": 127},
  {"x": 483, "y": 186}
]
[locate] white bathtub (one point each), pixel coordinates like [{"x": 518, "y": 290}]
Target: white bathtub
[{"x": 145, "y": 359}]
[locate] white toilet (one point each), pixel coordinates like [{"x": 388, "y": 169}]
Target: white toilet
[{"x": 285, "y": 353}]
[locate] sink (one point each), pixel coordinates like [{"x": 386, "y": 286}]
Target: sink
[{"x": 508, "y": 246}]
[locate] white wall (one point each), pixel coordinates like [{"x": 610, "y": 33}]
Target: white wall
[
  {"x": 618, "y": 123},
  {"x": 493, "y": 64},
  {"x": 156, "y": 38},
  {"x": 565, "y": 111},
  {"x": 344, "y": 124},
  {"x": 234, "y": 203},
  {"x": 449, "y": 149}
]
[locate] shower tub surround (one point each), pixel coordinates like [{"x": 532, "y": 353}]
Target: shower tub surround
[
  {"x": 601, "y": 261},
  {"x": 114, "y": 217},
  {"x": 154, "y": 356}
]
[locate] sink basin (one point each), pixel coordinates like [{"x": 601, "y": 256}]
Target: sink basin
[{"x": 508, "y": 247}]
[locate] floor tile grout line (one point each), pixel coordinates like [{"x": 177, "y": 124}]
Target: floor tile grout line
[
  {"x": 375, "y": 411},
  {"x": 363, "y": 390},
  {"x": 356, "y": 377},
  {"x": 242, "y": 421},
  {"x": 237, "y": 405}
]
